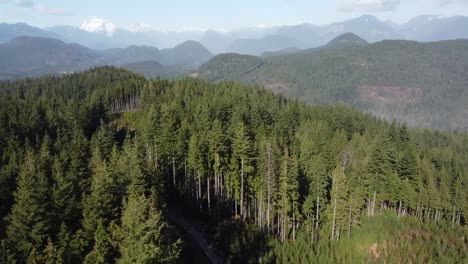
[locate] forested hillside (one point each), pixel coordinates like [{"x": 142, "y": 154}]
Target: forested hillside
[
  {"x": 422, "y": 84},
  {"x": 90, "y": 162},
  {"x": 36, "y": 56}
]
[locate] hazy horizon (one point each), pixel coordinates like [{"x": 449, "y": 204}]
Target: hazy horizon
[{"x": 205, "y": 15}]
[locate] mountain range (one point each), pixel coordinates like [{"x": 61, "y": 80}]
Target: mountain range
[
  {"x": 253, "y": 41},
  {"x": 34, "y": 56},
  {"x": 422, "y": 84}
]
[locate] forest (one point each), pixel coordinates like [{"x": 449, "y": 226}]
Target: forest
[
  {"x": 90, "y": 164},
  {"x": 330, "y": 75}
]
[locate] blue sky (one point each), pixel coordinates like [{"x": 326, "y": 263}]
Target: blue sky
[{"x": 218, "y": 14}]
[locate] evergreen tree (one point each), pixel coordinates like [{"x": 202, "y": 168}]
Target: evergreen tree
[
  {"x": 338, "y": 213},
  {"x": 242, "y": 159},
  {"x": 101, "y": 209},
  {"x": 144, "y": 237},
  {"x": 102, "y": 251},
  {"x": 29, "y": 220}
]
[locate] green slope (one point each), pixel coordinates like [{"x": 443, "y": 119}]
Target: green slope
[{"x": 435, "y": 71}]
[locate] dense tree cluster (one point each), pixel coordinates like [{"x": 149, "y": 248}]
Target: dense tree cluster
[
  {"x": 89, "y": 162},
  {"x": 73, "y": 188}
]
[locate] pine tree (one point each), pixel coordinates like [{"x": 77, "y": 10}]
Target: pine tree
[
  {"x": 29, "y": 220},
  {"x": 197, "y": 164},
  {"x": 101, "y": 207},
  {"x": 338, "y": 214},
  {"x": 63, "y": 196},
  {"x": 288, "y": 194},
  {"x": 268, "y": 168},
  {"x": 144, "y": 237},
  {"x": 103, "y": 251},
  {"x": 242, "y": 155},
  {"x": 103, "y": 140},
  {"x": 50, "y": 255},
  {"x": 134, "y": 167}
]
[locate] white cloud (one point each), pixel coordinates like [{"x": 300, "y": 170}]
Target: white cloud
[
  {"x": 367, "y": 5},
  {"x": 97, "y": 24}
]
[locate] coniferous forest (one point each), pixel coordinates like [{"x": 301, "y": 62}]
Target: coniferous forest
[{"x": 92, "y": 164}]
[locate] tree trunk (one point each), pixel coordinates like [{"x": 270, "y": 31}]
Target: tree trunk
[
  {"x": 199, "y": 191},
  {"x": 373, "y": 204},
  {"x": 185, "y": 173},
  {"x": 173, "y": 171},
  {"x": 453, "y": 216},
  {"x": 235, "y": 207},
  {"x": 269, "y": 178},
  {"x": 368, "y": 207},
  {"x": 399, "y": 210},
  {"x": 221, "y": 184},
  {"x": 317, "y": 213},
  {"x": 333, "y": 225},
  {"x": 349, "y": 223},
  {"x": 260, "y": 210},
  {"x": 208, "y": 190},
  {"x": 242, "y": 190},
  {"x": 294, "y": 222}
]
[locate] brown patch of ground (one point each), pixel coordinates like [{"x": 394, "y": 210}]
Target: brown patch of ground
[
  {"x": 376, "y": 252},
  {"x": 390, "y": 94},
  {"x": 275, "y": 87}
]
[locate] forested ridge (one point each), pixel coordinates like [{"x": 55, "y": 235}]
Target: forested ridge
[
  {"x": 335, "y": 72},
  {"x": 90, "y": 162}
]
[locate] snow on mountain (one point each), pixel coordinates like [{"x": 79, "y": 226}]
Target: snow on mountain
[{"x": 99, "y": 25}]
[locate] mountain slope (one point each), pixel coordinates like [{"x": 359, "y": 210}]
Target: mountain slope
[
  {"x": 423, "y": 84},
  {"x": 188, "y": 55},
  {"x": 434, "y": 28},
  {"x": 11, "y": 31},
  {"x": 230, "y": 66},
  {"x": 306, "y": 35},
  {"x": 259, "y": 46},
  {"x": 345, "y": 41},
  {"x": 152, "y": 69},
  {"x": 36, "y": 55},
  {"x": 32, "y": 56},
  {"x": 131, "y": 54}
]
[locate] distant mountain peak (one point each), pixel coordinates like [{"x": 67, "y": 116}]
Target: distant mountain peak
[
  {"x": 347, "y": 40},
  {"x": 192, "y": 45},
  {"x": 368, "y": 18},
  {"x": 424, "y": 19},
  {"x": 98, "y": 25}
]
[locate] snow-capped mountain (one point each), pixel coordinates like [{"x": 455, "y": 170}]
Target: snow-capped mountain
[
  {"x": 99, "y": 33},
  {"x": 99, "y": 25}
]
